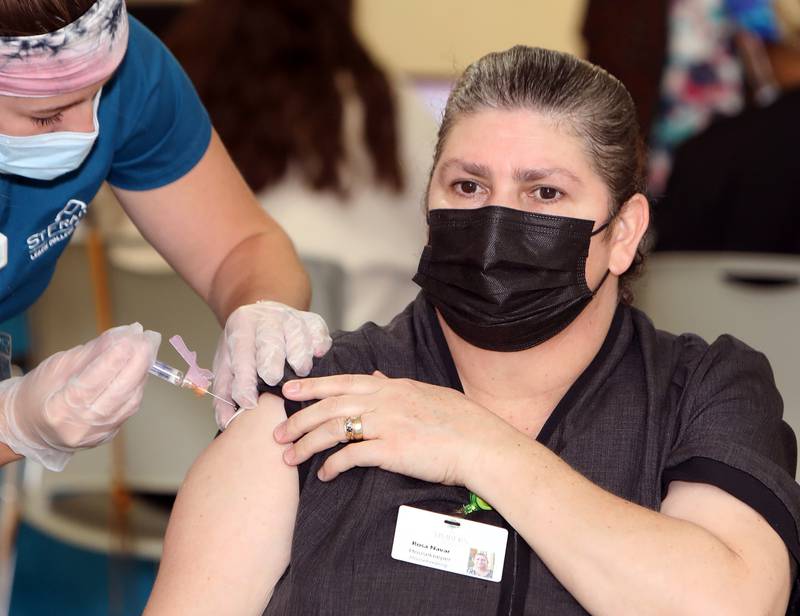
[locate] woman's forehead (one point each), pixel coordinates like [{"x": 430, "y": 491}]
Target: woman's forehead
[
  {"x": 49, "y": 104},
  {"x": 515, "y": 140}
]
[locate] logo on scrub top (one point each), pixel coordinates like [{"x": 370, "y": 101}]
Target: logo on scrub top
[{"x": 57, "y": 231}]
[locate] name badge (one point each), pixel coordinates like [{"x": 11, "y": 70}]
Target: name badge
[{"x": 449, "y": 543}]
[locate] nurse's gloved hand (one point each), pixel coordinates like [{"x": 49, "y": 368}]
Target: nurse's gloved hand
[
  {"x": 77, "y": 398},
  {"x": 258, "y": 340}
]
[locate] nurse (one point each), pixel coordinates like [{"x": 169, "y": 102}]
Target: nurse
[{"x": 88, "y": 95}]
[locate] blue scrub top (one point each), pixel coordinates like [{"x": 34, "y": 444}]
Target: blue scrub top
[{"x": 153, "y": 130}]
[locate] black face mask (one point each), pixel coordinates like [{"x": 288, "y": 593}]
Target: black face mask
[{"x": 504, "y": 279}]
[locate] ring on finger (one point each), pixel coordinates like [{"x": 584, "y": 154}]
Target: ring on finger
[{"x": 353, "y": 428}]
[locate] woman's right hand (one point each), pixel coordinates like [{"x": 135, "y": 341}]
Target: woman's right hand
[
  {"x": 77, "y": 398},
  {"x": 420, "y": 430}
]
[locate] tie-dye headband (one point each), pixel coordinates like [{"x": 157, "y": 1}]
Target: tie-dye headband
[{"x": 76, "y": 56}]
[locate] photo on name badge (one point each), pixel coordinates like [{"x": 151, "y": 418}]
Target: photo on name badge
[{"x": 480, "y": 563}]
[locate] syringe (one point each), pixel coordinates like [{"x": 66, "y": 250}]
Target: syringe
[{"x": 173, "y": 376}]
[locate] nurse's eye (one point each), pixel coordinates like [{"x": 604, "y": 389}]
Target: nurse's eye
[
  {"x": 547, "y": 194},
  {"x": 50, "y": 121},
  {"x": 467, "y": 187}
]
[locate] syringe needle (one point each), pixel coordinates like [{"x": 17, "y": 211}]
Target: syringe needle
[
  {"x": 175, "y": 377},
  {"x": 205, "y": 391}
]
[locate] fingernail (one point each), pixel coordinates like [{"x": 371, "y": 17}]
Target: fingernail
[
  {"x": 291, "y": 387},
  {"x": 321, "y": 474},
  {"x": 289, "y": 455},
  {"x": 273, "y": 380},
  {"x": 279, "y": 433},
  {"x": 246, "y": 401}
]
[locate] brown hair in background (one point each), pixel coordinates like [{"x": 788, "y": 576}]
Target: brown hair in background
[
  {"x": 31, "y": 17},
  {"x": 266, "y": 71},
  {"x": 628, "y": 38}
]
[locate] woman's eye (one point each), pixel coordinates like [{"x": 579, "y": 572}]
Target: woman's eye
[
  {"x": 467, "y": 187},
  {"x": 46, "y": 122},
  {"x": 547, "y": 193}
]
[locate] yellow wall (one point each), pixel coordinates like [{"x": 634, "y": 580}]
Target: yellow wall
[{"x": 440, "y": 37}]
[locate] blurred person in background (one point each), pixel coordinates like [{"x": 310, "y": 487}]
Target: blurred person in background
[
  {"x": 89, "y": 95},
  {"x": 734, "y": 186},
  {"x": 334, "y": 146},
  {"x": 715, "y": 83},
  {"x": 679, "y": 59}
]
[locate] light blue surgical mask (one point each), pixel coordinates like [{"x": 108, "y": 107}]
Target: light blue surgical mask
[{"x": 47, "y": 156}]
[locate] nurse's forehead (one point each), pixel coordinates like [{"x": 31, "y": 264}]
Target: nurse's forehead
[{"x": 51, "y": 104}]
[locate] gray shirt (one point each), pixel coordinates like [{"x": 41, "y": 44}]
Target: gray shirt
[{"x": 650, "y": 408}]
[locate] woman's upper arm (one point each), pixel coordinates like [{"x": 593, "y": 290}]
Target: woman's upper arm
[
  {"x": 745, "y": 532},
  {"x": 232, "y": 524}
]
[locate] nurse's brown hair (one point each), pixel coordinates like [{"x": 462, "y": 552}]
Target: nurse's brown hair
[
  {"x": 583, "y": 97},
  {"x": 31, "y": 17}
]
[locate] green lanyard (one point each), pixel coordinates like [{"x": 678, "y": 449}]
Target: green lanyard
[{"x": 475, "y": 503}]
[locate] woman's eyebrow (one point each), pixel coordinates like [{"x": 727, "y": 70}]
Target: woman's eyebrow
[
  {"x": 520, "y": 175},
  {"x": 59, "y": 108},
  {"x": 534, "y": 175},
  {"x": 476, "y": 169}
]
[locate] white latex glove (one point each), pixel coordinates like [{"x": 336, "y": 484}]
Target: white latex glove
[
  {"x": 77, "y": 398},
  {"x": 257, "y": 341}
]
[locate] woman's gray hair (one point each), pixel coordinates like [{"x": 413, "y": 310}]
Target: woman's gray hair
[{"x": 579, "y": 96}]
